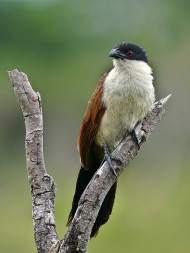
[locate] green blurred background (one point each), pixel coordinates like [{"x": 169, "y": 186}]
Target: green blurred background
[{"x": 63, "y": 48}]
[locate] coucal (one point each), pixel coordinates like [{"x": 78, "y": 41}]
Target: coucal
[{"x": 121, "y": 99}]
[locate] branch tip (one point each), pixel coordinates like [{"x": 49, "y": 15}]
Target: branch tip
[{"x": 165, "y": 100}]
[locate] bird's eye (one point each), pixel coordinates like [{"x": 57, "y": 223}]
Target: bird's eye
[{"x": 129, "y": 53}]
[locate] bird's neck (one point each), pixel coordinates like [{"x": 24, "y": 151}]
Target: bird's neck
[{"x": 131, "y": 67}]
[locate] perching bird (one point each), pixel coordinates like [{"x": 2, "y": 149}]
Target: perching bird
[{"x": 121, "y": 99}]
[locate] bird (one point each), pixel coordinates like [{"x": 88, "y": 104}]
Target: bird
[{"x": 122, "y": 98}]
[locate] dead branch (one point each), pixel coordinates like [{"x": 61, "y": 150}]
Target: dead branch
[
  {"x": 43, "y": 187},
  {"x": 94, "y": 194}
]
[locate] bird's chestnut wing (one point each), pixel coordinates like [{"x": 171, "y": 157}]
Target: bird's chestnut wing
[{"x": 91, "y": 122}]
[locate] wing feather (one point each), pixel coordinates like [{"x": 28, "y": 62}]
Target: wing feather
[{"x": 91, "y": 122}]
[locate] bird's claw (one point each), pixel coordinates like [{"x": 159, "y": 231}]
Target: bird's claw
[
  {"x": 135, "y": 138},
  {"x": 109, "y": 158}
]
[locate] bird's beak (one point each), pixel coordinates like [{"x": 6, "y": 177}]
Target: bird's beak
[{"x": 115, "y": 53}]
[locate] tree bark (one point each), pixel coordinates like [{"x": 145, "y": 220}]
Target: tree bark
[{"x": 43, "y": 187}]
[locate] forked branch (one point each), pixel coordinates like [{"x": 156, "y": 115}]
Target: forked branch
[{"x": 43, "y": 187}]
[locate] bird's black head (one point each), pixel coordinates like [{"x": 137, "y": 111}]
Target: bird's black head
[{"x": 128, "y": 51}]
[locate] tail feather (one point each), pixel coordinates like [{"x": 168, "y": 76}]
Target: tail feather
[
  {"x": 83, "y": 179},
  {"x": 106, "y": 209}
]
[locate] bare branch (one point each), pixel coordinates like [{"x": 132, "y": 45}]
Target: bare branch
[
  {"x": 94, "y": 194},
  {"x": 43, "y": 187}
]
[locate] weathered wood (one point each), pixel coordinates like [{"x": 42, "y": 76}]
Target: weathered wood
[
  {"x": 43, "y": 187},
  {"x": 78, "y": 235}
]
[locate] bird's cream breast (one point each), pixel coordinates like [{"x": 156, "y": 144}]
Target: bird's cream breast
[{"x": 128, "y": 95}]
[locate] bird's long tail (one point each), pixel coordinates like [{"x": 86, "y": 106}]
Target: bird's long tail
[{"x": 84, "y": 178}]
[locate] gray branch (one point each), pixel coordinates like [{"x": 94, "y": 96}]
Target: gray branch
[
  {"x": 78, "y": 235},
  {"x": 43, "y": 187}
]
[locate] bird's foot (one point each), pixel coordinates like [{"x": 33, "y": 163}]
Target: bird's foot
[
  {"x": 109, "y": 158},
  {"x": 135, "y": 138}
]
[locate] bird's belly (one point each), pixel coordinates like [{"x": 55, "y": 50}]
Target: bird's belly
[{"x": 120, "y": 117}]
